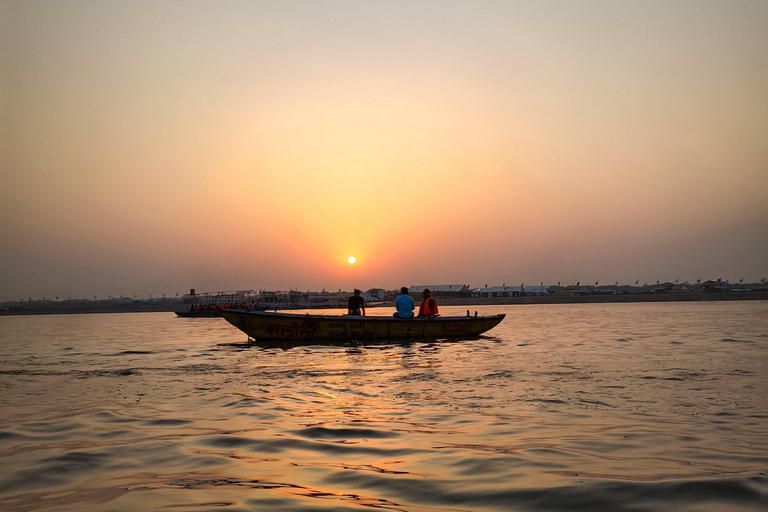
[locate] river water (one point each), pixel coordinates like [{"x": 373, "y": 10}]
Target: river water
[{"x": 583, "y": 407}]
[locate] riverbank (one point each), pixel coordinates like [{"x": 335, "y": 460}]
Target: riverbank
[
  {"x": 145, "y": 307},
  {"x": 604, "y": 299}
]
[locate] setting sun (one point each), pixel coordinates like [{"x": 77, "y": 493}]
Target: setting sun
[{"x": 351, "y": 260}]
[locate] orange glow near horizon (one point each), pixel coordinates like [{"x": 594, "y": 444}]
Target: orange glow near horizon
[{"x": 243, "y": 145}]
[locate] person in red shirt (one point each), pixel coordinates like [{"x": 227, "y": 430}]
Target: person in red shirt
[{"x": 428, "y": 306}]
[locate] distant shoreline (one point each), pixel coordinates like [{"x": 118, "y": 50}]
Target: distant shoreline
[
  {"x": 606, "y": 299},
  {"x": 443, "y": 301}
]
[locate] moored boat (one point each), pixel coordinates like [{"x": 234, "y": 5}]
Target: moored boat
[
  {"x": 213, "y": 311},
  {"x": 262, "y": 326},
  {"x": 210, "y": 304}
]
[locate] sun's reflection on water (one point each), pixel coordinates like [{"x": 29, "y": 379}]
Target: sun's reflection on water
[{"x": 541, "y": 410}]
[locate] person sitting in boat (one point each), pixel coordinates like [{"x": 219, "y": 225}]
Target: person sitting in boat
[
  {"x": 356, "y": 304},
  {"x": 404, "y": 304},
  {"x": 428, "y": 307}
]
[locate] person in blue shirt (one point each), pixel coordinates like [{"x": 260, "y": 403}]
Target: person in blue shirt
[{"x": 404, "y": 304}]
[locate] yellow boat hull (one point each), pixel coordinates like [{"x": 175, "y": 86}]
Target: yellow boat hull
[{"x": 262, "y": 326}]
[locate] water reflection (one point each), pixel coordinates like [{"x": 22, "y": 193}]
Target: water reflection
[
  {"x": 367, "y": 343},
  {"x": 607, "y": 407}
]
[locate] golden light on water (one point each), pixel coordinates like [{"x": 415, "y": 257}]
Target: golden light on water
[{"x": 351, "y": 260}]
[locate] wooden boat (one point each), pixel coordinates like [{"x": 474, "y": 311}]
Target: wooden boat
[
  {"x": 198, "y": 314},
  {"x": 291, "y": 327},
  {"x": 209, "y": 304},
  {"x": 210, "y": 313}
]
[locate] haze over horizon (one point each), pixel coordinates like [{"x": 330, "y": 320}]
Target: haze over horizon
[{"x": 153, "y": 147}]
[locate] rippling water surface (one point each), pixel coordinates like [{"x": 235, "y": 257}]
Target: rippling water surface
[{"x": 619, "y": 407}]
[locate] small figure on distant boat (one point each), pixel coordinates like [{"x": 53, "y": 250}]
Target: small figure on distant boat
[
  {"x": 428, "y": 307},
  {"x": 404, "y": 304},
  {"x": 356, "y": 304}
]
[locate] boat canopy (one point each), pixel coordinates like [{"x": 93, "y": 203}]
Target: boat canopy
[{"x": 220, "y": 298}]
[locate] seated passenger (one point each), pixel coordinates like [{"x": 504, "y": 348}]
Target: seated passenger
[
  {"x": 356, "y": 304},
  {"x": 404, "y": 304},
  {"x": 428, "y": 307}
]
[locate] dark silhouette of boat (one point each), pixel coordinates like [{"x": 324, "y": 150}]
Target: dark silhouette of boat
[{"x": 309, "y": 329}]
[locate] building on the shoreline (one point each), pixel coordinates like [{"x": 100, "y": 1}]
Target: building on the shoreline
[
  {"x": 337, "y": 299},
  {"x": 509, "y": 291},
  {"x": 284, "y": 298},
  {"x": 442, "y": 290},
  {"x": 374, "y": 295}
]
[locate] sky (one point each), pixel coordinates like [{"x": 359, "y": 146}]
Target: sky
[{"x": 152, "y": 147}]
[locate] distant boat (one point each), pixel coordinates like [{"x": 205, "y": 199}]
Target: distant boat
[
  {"x": 209, "y": 304},
  {"x": 198, "y": 314},
  {"x": 307, "y": 329},
  {"x": 211, "y": 313}
]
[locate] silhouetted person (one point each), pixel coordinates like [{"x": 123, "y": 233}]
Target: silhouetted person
[{"x": 356, "y": 305}]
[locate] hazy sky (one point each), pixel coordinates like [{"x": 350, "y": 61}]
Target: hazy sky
[{"x": 152, "y": 147}]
